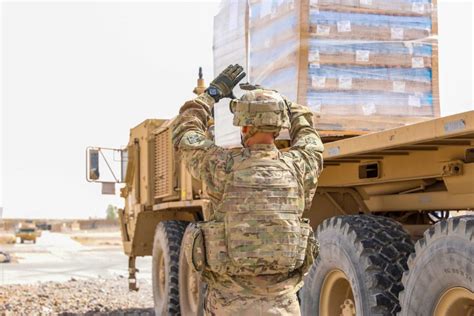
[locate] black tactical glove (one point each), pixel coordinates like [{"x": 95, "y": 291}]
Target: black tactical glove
[{"x": 224, "y": 83}]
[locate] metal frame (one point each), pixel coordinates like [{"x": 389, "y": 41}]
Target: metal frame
[
  {"x": 99, "y": 149},
  {"x": 424, "y": 167}
]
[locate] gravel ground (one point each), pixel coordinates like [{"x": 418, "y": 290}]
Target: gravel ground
[{"x": 77, "y": 297}]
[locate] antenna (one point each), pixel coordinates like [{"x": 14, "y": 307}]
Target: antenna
[{"x": 201, "y": 86}]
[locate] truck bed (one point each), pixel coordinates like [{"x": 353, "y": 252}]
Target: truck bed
[
  {"x": 451, "y": 130},
  {"x": 427, "y": 166}
]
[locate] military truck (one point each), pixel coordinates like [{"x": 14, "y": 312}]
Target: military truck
[
  {"x": 378, "y": 194},
  {"x": 27, "y": 231}
]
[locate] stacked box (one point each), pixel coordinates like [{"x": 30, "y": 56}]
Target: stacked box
[
  {"x": 365, "y": 61},
  {"x": 387, "y": 7},
  {"x": 361, "y": 65},
  {"x": 274, "y": 33}
]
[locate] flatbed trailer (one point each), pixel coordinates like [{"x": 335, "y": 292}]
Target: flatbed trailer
[
  {"x": 427, "y": 166},
  {"x": 379, "y": 193}
]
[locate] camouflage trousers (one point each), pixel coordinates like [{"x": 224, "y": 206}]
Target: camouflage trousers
[{"x": 218, "y": 303}]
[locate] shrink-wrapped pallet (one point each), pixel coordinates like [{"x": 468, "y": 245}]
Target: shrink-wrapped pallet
[
  {"x": 230, "y": 35},
  {"x": 361, "y": 65},
  {"x": 229, "y": 47}
]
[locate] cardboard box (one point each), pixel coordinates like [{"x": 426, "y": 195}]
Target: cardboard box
[{"x": 361, "y": 65}]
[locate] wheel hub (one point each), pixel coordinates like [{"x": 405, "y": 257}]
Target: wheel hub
[
  {"x": 455, "y": 301},
  {"x": 336, "y": 296},
  {"x": 348, "y": 308}
]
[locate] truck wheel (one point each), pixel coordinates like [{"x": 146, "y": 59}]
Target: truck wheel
[
  {"x": 165, "y": 267},
  {"x": 359, "y": 267},
  {"x": 191, "y": 290},
  {"x": 22, "y": 241},
  {"x": 440, "y": 279}
]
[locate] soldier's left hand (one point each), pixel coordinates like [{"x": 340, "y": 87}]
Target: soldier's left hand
[{"x": 224, "y": 83}]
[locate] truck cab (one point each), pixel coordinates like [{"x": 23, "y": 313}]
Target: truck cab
[{"x": 27, "y": 232}]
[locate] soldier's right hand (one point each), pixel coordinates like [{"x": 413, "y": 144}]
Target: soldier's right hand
[{"x": 224, "y": 83}]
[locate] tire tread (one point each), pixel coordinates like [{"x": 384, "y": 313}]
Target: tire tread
[
  {"x": 462, "y": 226},
  {"x": 172, "y": 232},
  {"x": 383, "y": 247}
]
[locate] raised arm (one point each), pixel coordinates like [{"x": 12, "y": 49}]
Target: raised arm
[
  {"x": 306, "y": 148},
  {"x": 193, "y": 143},
  {"x": 202, "y": 157}
]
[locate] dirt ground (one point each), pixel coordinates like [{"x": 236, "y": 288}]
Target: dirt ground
[
  {"x": 77, "y": 297},
  {"x": 72, "y": 274},
  {"x": 97, "y": 238}
]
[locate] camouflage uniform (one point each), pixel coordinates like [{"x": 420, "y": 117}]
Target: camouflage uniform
[{"x": 294, "y": 176}]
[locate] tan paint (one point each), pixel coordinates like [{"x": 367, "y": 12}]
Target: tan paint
[
  {"x": 412, "y": 161},
  {"x": 403, "y": 136},
  {"x": 142, "y": 240},
  {"x": 422, "y": 167},
  {"x": 455, "y": 301},
  {"x": 336, "y": 296}
]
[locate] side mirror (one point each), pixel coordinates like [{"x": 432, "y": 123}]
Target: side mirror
[
  {"x": 113, "y": 161},
  {"x": 93, "y": 165}
]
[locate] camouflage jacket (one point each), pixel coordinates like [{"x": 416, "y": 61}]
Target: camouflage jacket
[{"x": 213, "y": 165}]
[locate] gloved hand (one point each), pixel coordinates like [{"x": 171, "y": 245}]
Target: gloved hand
[{"x": 224, "y": 83}]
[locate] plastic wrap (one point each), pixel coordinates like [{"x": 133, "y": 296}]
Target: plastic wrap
[
  {"x": 230, "y": 35},
  {"x": 361, "y": 65},
  {"x": 230, "y": 47},
  {"x": 274, "y": 33}
]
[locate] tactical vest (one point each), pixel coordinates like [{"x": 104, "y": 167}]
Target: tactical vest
[{"x": 258, "y": 228}]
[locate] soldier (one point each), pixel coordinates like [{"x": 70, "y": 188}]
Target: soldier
[{"x": 256, "y": 248}]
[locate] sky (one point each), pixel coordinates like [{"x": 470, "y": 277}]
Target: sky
[{"x": 76, "y": 74}]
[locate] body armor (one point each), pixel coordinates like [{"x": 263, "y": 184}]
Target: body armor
[
  {"x": 256, "y": 248},
  {"x": 258, "y": 229}
]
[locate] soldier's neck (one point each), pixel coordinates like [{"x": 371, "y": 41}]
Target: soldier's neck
[{"x": 260, "y": 139}]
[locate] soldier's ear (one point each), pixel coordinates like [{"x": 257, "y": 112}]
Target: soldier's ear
[{"x": 245, "y": 129}]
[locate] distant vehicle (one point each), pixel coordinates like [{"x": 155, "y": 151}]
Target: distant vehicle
[
  {"x": 27, "y": 231},
  {"x": 43, "y": 226}
]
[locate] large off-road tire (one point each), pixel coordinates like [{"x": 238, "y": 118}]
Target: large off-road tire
[
  {"x": 440, "y": 279},
  {"x": 165, "y": 267},
  {"x": 359, "y": 267},
  {"x": 191, "y": 289}
]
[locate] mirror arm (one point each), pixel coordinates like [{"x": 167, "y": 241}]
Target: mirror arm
[{"x": 108, "y": 166}]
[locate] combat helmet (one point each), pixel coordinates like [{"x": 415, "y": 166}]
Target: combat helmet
[{"x": 264, "y": 110}]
